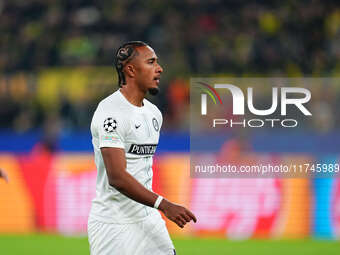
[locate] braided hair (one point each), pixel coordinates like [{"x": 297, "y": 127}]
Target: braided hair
[{"x": 124, "y": 55}]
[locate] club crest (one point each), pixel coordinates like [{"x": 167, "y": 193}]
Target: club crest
[{"x": 155, "y": 124}]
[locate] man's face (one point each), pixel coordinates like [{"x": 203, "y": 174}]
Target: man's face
[{"x": 147, "y": 69}]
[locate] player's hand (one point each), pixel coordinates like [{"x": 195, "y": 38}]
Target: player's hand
[
  {"x": 4, "y": 175},
  {"x": 176, "y": 213}
]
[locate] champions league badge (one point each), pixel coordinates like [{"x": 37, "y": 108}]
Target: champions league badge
[
  {"x": 110, "y": 125},
  {"x": 155, "y": 124}
]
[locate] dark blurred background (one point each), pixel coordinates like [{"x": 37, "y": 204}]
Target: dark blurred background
[{"x": 56, "y": 56}]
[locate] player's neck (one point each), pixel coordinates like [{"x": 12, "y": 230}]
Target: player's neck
[{"x": 134, "y": 96}]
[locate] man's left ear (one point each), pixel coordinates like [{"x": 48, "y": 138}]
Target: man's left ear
[{"x": 130, "y": 71}]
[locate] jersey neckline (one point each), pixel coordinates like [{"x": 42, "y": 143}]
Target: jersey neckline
[{"x": 139, "y": 108}]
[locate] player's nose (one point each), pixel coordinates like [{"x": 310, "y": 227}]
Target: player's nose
[{"x": 159, "y": 69}]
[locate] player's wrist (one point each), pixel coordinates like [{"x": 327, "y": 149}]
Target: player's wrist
[{"x": 163, "y": 205}]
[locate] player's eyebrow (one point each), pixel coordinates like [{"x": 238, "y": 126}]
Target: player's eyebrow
[{"x": 153, "y": 59}]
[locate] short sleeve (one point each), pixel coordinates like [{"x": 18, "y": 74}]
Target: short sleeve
[
  {"x": 160, "y": 119},
  {"x": 111, "y": 130}
]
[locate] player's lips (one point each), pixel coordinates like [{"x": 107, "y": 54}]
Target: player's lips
[{"x": 157, "y": 79}]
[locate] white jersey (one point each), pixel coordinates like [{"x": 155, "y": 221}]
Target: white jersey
[{"x": 118, "y": 123}]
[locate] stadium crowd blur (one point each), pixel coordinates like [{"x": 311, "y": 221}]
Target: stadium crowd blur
[{"x": 56, "y": 56}]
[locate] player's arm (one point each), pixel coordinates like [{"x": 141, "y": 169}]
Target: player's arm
[{"x": 120, "y": 179}]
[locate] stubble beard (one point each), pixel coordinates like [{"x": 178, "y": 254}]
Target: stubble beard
[{"x": 153, "y": 91}]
